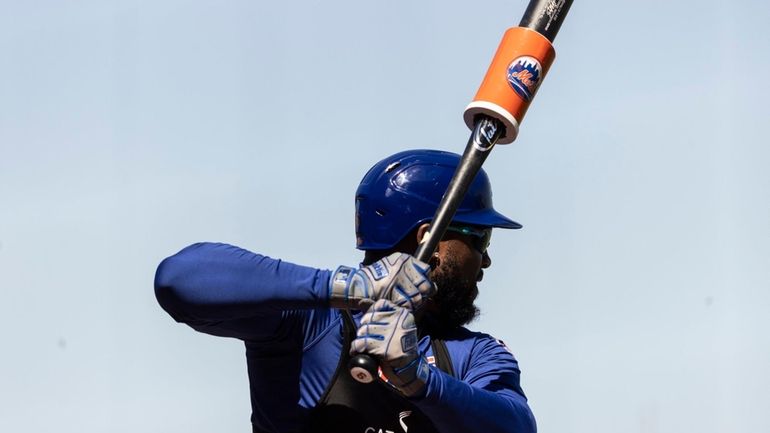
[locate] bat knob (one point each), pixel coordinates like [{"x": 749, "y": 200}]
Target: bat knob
[{"x": 363, "y": 368}]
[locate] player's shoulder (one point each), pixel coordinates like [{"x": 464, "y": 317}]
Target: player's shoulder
[
  {"x": 476, "y": 354},
  {"x": 478, "y": 344}
]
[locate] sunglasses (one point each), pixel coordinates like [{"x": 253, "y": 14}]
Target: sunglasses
[{"x": 481, "y": 237}]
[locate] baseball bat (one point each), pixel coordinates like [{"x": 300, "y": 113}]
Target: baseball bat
[{"x": 521, "y": 62}]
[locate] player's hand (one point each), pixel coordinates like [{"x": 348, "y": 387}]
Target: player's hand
[
  {"x": 399, "y": 278},
  {"x": 388, "y": 333}
]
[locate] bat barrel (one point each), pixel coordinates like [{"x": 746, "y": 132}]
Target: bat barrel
[
  {"x": 521, "y": 62},
  {"x": 545, "y": 16}
]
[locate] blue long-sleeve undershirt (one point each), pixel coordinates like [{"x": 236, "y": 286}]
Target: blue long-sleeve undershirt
[
  {"x": 226, "y": 291},
  {"x": 207, "y": 284}
]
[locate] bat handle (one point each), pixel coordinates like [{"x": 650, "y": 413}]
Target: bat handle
[{"x": 486, "y": 132}]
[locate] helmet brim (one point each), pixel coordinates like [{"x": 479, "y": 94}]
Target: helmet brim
[{"x": 486, "y": 218}]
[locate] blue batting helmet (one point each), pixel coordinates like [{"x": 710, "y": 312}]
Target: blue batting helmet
[{"x": 404, "y": 190}]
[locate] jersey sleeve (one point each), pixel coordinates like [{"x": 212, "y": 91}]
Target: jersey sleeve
[
  {"x": 487, "y": 398},
  {"x": 227, "y": 291}
]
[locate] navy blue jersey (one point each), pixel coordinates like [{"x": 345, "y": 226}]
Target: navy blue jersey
[{"x": 294, "y": 341}]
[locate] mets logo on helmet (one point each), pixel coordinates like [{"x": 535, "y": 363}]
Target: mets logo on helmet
[{"x": 524, "y": 76}]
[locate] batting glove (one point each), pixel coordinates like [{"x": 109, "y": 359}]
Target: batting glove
[
  {"x": 388, "y": 333},
  {"x": 399, "y": 278}
]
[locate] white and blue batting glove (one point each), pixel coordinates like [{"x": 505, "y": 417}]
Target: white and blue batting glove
[
  {"x": 399, "y": 278},
  {"x": 389, "y": 334}
]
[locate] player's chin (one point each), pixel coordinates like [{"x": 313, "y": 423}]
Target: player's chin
[
  {"x": 458, "y": 310},
  {"x": 466, "y": 314},
  {"x": 474, "y": 293},
  {"x": 449, "y": 314}
]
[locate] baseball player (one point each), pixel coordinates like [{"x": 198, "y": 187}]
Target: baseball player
[{"x": 302, "y": 325}]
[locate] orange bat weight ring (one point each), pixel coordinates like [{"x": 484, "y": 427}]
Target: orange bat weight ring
[{"x": 518, "y": 68}]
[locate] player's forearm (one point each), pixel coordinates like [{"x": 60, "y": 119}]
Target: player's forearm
[
  {"x": 455, "y": 406},
  {"x": 214, "y": 282}
]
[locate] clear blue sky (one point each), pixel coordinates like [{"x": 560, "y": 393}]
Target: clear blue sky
[{"x": 636, "y": 297}]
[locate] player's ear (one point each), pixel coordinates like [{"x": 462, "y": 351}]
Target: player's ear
[
  {"x": 420, "y": 234},
  {"x": 421, "y": 231}
]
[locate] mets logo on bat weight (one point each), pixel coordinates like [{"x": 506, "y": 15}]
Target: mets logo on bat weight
[{"x": 524, "y": 75}]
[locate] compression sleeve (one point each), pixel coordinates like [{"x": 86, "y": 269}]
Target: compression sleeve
[
  {"x": 224, "y": 290},
  {"x": 488, "y": 399}
]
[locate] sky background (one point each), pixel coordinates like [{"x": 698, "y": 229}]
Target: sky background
[{"x": 636, "y": 297}]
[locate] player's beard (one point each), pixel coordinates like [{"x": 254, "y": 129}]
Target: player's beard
[{"x": 454, "y": 297}]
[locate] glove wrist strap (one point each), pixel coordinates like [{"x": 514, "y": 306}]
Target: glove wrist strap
[
  {"x": 339, "y": 288},
  {"x": 417, "y": 385}
]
